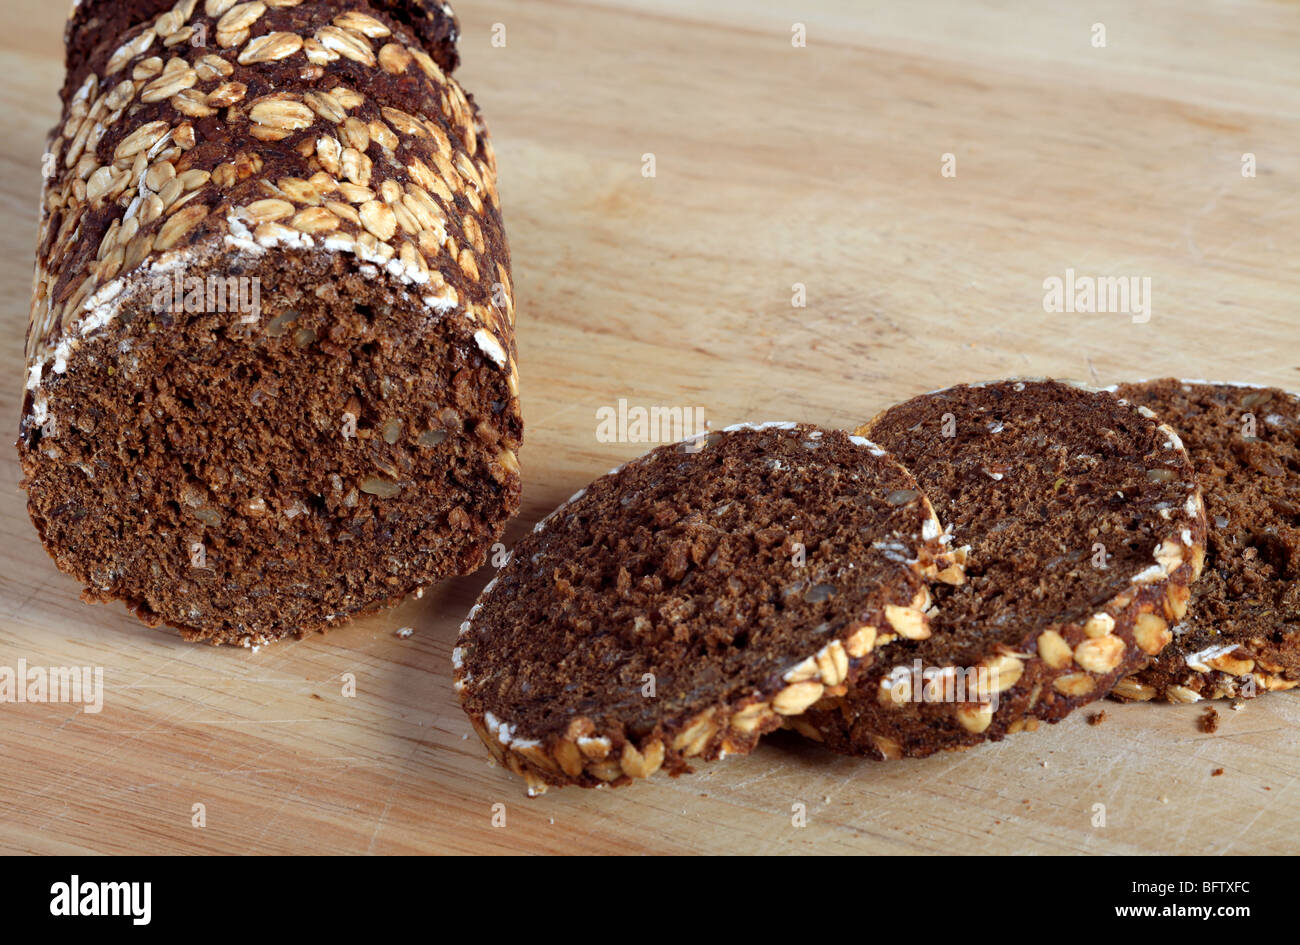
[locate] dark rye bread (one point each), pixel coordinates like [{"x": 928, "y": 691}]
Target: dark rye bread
[
  {"x": 1241, "y": 634},
  {"x": 245, "y": 475},
  {"x": 747, "y": 572},
  {"x": 1034, "y": 476}
]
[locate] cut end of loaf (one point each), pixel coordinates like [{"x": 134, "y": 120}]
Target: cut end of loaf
[{"x": 247, "y": 477}]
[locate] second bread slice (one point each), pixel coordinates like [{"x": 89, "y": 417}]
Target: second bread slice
[{"x": 1085, "y": 527}]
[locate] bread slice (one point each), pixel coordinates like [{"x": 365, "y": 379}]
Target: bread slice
[
  {"x": 1085, "y": 527},
  {"x": 1241, "y": 634},
  {"x": 681, "y": 605}
]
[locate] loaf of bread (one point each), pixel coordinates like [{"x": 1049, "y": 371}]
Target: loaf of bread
[{"x": 271, "y": 364}]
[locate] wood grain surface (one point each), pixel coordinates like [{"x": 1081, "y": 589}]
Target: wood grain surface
[{"x": 775, "y": 165}]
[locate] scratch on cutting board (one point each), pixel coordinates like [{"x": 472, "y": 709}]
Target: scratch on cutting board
[
  {"x": 70, "y": 779},
  {"x": 1258, "y": 814},
  {"x": 398, "y": 780},
  {"x": 1113, "y": 762},
  {"x": 242, "y": 767},
  {"x": 544, "y": 422},
  {"x": 254, "y": 721},
  {"x": 1248, "y": 734},
  {"x": 44, "y": 584},
  {"x": 315, "y": 781},
  {"x": 126, "y": 736},
  {"x": 275, "y": 814},
  {"x": 842, "y": 782},
  {"x": 1189, "y": 228}
]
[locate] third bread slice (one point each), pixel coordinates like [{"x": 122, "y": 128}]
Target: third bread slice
[{"x": 1241, "y": 634}]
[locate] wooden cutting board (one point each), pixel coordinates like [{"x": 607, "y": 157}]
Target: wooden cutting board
[{"x": 774, "y": 165}]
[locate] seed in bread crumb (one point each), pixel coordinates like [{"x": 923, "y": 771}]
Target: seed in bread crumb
[{"x": 1209, "y": 721}]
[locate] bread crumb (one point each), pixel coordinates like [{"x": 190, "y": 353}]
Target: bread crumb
[
  {"x": 1209, "y": 721},
  {"x": 1216, "y": 772},
  {"x": 404, "y": 632},
  {"x": 1096, "y": 718}
]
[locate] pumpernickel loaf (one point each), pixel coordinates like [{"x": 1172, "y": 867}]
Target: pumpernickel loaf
[
  {"x": 684, "y": 604},
  {"x": 1241, "y": 634},
  {"x": 1084, "y": 527},
  {"x": 271, "y": 363}
]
